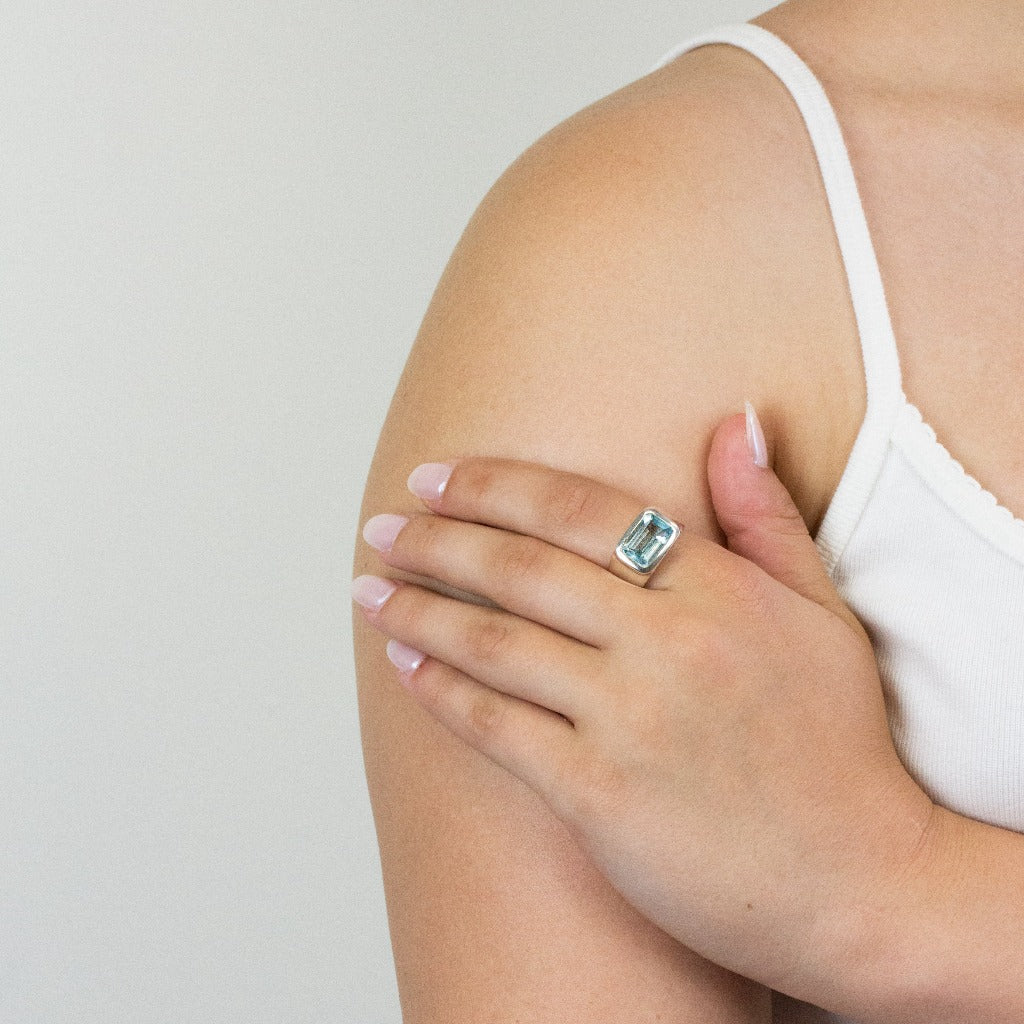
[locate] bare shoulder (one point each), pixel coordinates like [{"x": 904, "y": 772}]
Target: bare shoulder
[
  {"x": 626, "y": 283},
  {"x": 683, "y": 217},
  {"x": 778, "y": 303}
]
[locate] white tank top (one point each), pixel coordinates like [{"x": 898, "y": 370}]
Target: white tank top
[{"x": 929, "y": 561}]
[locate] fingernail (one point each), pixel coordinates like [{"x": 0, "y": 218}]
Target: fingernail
[
  {"x": 755, "y": 438},
  {"x": 372, "y": 591},
  {"x": 380, "y": 531},
  {"x": 427, "y": 481},
  {"x": 405, "y": 657}
]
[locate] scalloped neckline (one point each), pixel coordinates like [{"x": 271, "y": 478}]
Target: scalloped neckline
[{"x": 963, "y": 492}]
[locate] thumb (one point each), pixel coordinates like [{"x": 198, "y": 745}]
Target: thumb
[{"x": 758, "y": 516}]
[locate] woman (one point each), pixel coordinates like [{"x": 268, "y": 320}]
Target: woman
[{"x": 677, "y": 247}]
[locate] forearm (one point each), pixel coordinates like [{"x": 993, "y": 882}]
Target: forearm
[{"x": 944, "y": 944}]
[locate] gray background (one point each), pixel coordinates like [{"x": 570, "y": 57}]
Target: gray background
[{"x": 220, "y": 226}]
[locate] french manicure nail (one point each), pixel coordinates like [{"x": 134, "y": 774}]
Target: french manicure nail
[
  {"x": 372, "y": 591},
  {"x": 380, "y": 531},
  {"x": 428, "y": 480},
  {"x": 406, "y": 658}
]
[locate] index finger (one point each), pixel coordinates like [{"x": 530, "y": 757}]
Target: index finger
[{"x": 569, "y": 510}]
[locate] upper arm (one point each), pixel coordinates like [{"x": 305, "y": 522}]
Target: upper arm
[{"x": 592, "y": 317}]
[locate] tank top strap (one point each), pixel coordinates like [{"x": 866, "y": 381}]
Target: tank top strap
[{"x": 882, "y": 373}]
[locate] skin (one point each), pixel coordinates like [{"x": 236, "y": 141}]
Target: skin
[
  {"x": 930, "y": 97},
  {"x": 474, "y": 864},
  {"x": 719, "y": 702}
]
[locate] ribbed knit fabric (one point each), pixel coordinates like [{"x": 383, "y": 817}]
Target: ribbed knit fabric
[{"x": 929, "y": 561}]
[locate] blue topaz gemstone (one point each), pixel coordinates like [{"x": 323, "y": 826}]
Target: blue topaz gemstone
[{"x": 646, "y": 540}]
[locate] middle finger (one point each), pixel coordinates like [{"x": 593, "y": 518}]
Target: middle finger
[{"x": 525, "y": 576}]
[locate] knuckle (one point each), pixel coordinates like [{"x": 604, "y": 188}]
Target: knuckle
[
  {"x": 567, "y": 501},
  {"x": 517, "y": 558},
  {"x": 473, "y": 483},
  {"x": 729, "y": 578},
  {"x": 486, "y": 638},
  {"x": 744, "y": 583},
  {"x": 484, "y": 715},
  {"x": 789, "y": 521}
]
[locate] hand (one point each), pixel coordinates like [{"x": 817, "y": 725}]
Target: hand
[{"x": 716, "y": 741}]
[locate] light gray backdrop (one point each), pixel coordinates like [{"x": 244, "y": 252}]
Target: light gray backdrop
[{"x": 220, "y": 226}]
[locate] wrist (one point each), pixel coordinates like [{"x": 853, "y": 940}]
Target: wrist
[
  {"x": 866, "y": 960},
  {"x": 890, "y": 962},
  {"x": 937, "y": 937}
]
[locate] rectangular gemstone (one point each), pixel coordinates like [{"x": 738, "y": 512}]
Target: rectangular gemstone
[{"x": 646, "y": 540}]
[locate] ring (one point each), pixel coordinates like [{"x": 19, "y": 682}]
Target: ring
[{"x": 643, "y": 546}]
